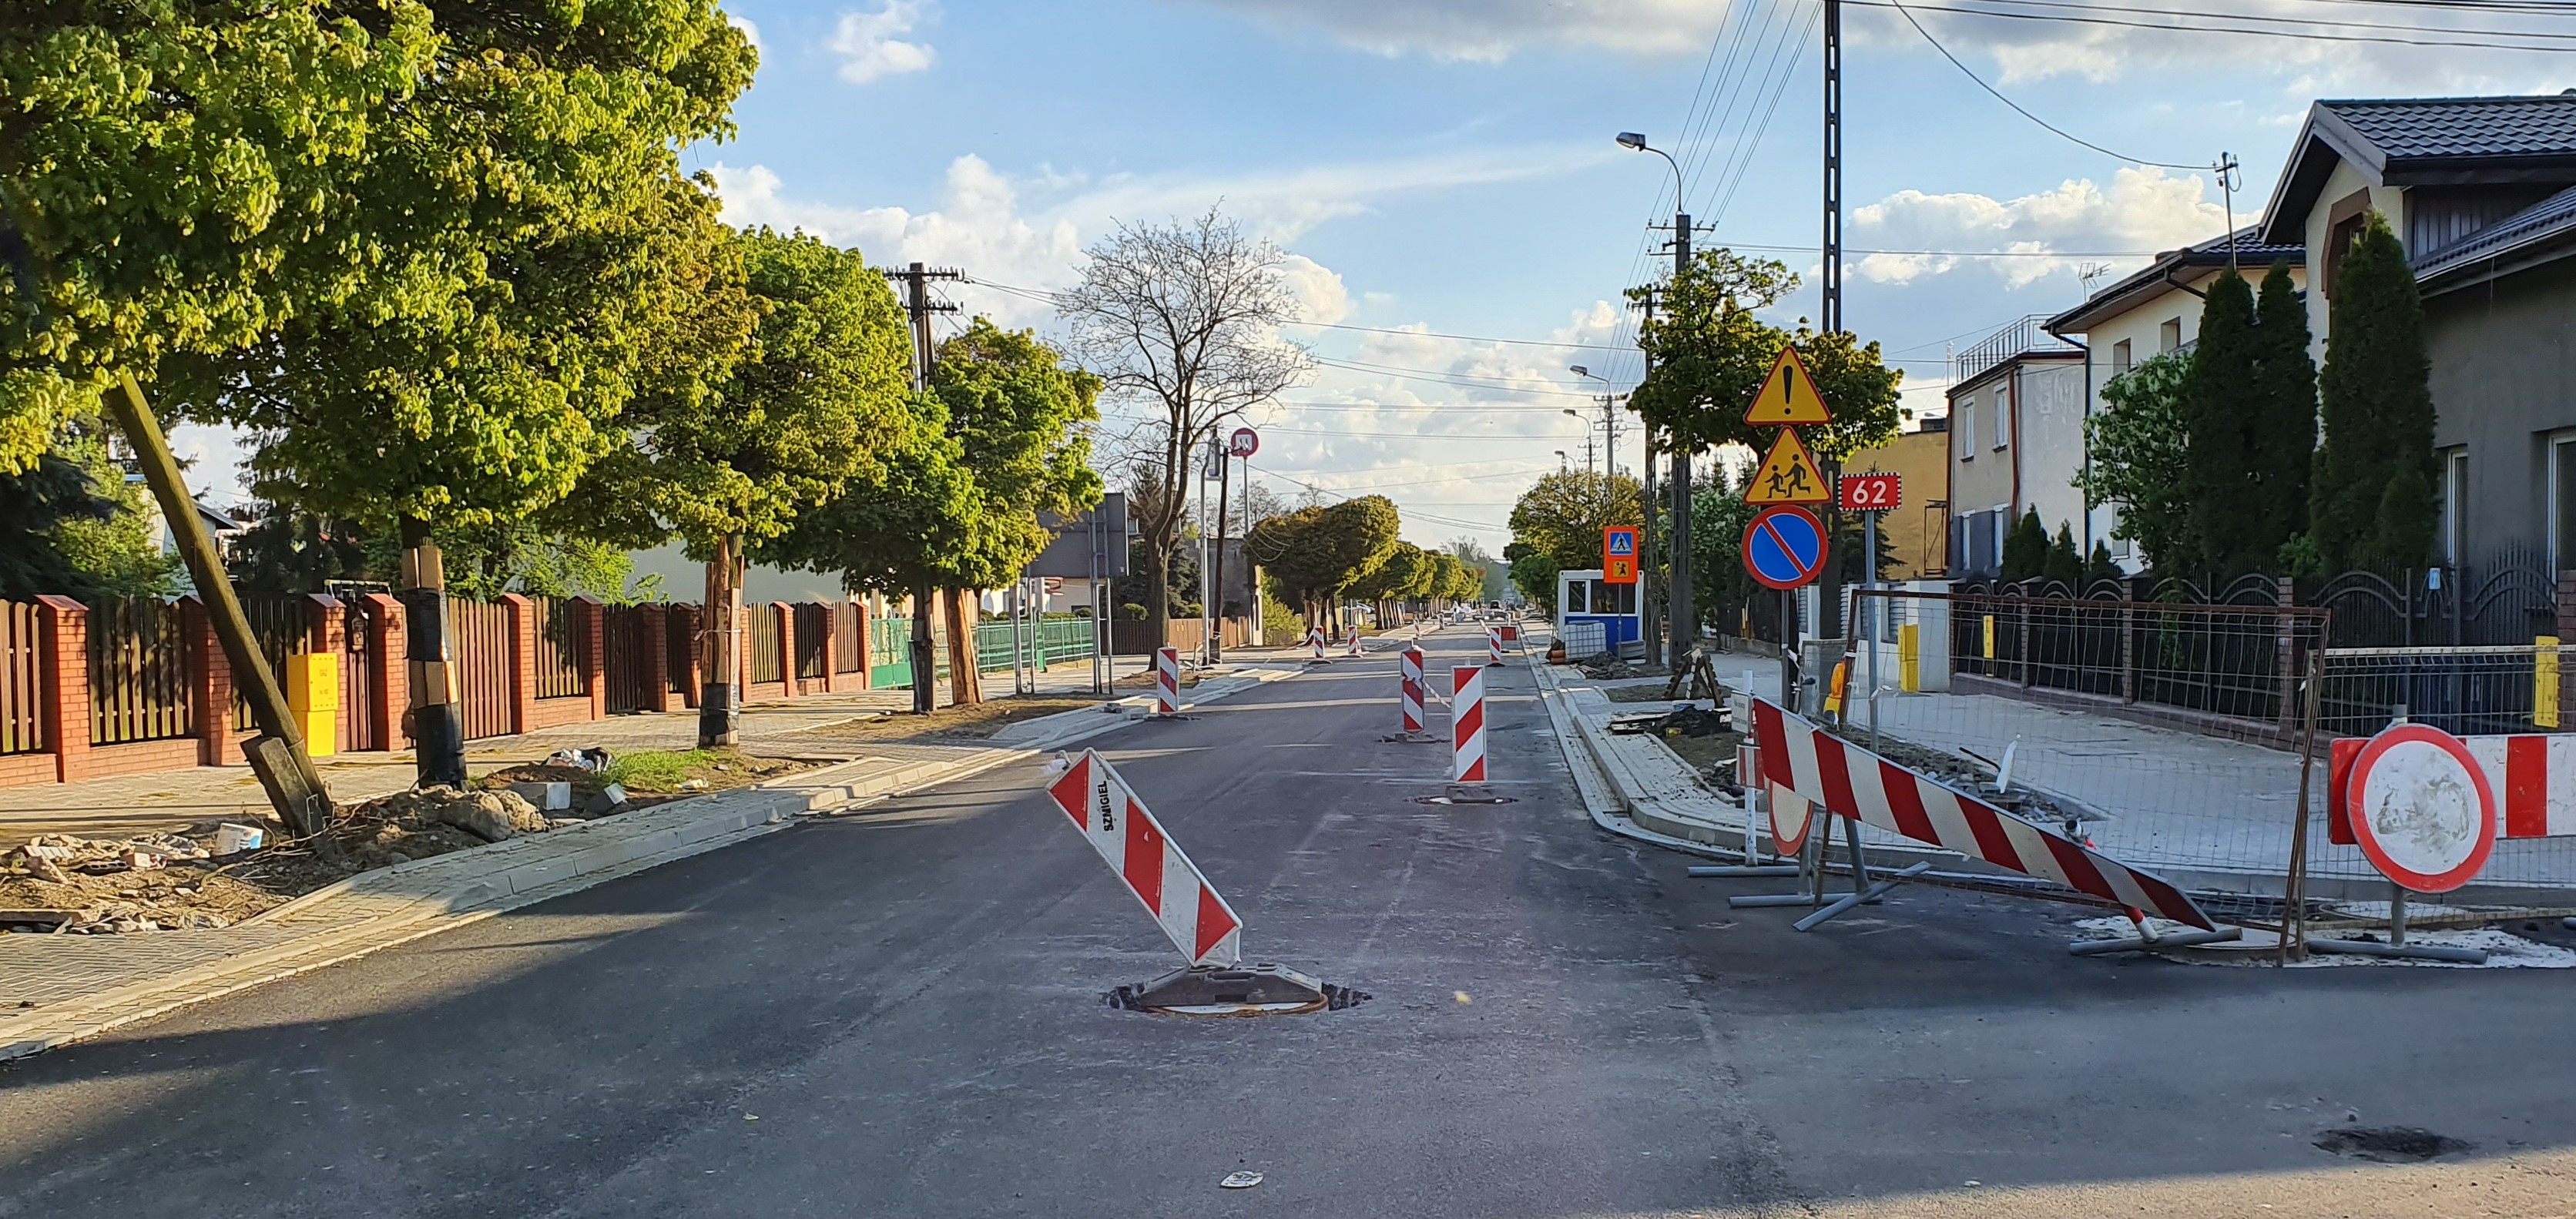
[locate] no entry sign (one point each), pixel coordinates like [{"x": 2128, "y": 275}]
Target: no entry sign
[
  {"x": 1784, "y": 547},
  {"x": 2422, "y": 809}
]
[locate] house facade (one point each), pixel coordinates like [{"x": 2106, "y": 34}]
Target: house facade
[
  {"x": 2481, "y": 191},
  {"x": 1916, "y": 535},
  {"x": 2151, "y": 313},
  {"x": 2015, "y": 441}
]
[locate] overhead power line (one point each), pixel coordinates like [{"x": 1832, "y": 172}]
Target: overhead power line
[
  {"x": 2320, "y": 35},
  {"x": 2017, "y": 107}
]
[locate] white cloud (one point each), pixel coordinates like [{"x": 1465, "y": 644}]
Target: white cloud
[
  {"x": 2143, "y": 209},
  {"x": 1319, "y": 291},
  {"x": 1492, "y": 30},
  {"x": 869, "y": 47}
]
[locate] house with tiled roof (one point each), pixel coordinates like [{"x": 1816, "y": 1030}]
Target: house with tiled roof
[
  {"x": 2148, "y": 314},
  {"x": 2482, "y": 193}
]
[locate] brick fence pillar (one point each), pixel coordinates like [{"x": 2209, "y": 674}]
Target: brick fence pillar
[
  {"x": 521, "y": 615},
  {"x": 688, "y": 620},
  {"x": 832, "y": 615},
  {"x": 590, "y": 636},
  {"x": 389, "y": 650},
  {"x": 64, "y": 664},
  {"x": 2285, "y": 649},
  {"x": 657, "y": 657},
  {"x": 326, "y": 633},
  {"x": 210, "y": 681}
]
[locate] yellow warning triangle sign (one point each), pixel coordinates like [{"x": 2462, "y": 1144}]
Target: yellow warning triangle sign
[
  {"x": 1788, "y": 475},
  {"x": 1789, "y": 398}
]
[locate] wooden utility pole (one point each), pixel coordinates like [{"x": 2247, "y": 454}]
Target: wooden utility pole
[
  {"x": 277, "y": 754},
  {"x": 925, "y": 599},
  {"x": 437, "y": 701},
  {"x": 720, "y": 632}
]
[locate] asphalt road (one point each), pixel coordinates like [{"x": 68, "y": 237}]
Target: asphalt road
[{"x": 899, "y": 1012}]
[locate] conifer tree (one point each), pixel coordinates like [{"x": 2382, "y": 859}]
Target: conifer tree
[
  {"x": 2223, "y": 417},
  {"x": 2285, "y": 441},
  {"x": 2025, "y": 554},
  {"x": 2371, "y": 504}
]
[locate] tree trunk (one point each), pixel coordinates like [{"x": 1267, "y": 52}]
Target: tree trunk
[
  {"x": 720, "y": 631},
  {"x": 925, "y": 663},
  {"x": 1158, "y": 597},
  {"x": 965, "y": 681},
  {"x": 437, "y": 721}
]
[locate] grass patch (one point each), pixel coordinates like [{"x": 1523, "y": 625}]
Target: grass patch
[{"x": 657, "y": 769}]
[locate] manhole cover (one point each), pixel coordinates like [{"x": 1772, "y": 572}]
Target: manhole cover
[{"x": 2389, "y": 1144}]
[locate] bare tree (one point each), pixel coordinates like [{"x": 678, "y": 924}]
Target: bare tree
[{"x": 1182, "y": 318}]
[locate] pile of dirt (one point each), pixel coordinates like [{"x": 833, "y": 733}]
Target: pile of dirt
[
  {"x": 1607, "y": 667},
  {"x": 155, "y": 882},
  {"x": 1973, "y": 775}
]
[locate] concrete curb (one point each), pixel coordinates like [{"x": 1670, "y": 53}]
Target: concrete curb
[{"x": 524, "y": 871}]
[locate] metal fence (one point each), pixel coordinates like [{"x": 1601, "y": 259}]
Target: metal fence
[
  {"x": 281, "y": 626},
  {"x": 849, "y": 641},
  {"x": 22, "y": 678},
  {"x": 892, "y": 665},
  {"x": 762, "y": 639},
  {"x": 680, "y": 647},
  {"x": 138, "y": 673},
  {"x": 813, "y": 650},
  {"x": 358, "y": 676},
  {"x": 627, "y": 660}
]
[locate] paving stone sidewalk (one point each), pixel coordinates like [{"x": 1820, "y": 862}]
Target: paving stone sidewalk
[{"x": 56, "y": 988}]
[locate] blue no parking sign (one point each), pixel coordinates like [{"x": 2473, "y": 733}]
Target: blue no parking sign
[{"x": 1784, "y": 547}]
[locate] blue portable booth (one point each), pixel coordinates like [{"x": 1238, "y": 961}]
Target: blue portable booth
[{"x": 1593, "y": 616}]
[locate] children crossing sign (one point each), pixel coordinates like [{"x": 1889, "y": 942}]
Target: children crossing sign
[
  {"x": 1619, "y": 554},
  {"x": 1788, "y": 476}
]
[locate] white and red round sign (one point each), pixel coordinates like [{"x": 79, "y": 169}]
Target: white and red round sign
[
  {"x": 2421, "y": 808},
  {"x": 1791, "y": 818},
  {"x": 1244, "y": 443}
]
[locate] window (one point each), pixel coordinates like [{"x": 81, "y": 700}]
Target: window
[
  {"x": 2121, "y": 359},
  {"x": 2451, "y": 532},
  {"x": 1578, "y": 598},
  {"x": 2345, "y": 222},
  {"x": 2003, "y": 416},
  {"x": 2169, "y": 336},
  {"x": 1968, "y": 430},
  {"x": 2562, "y": 500}
]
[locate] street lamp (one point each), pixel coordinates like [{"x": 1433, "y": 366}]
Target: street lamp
[{"x": 1681, "y": 621}]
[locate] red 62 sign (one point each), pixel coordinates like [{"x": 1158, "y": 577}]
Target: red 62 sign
[{"x": 1870, "y": 493}]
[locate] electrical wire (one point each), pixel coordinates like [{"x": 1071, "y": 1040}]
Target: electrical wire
[
  {"x": 2203, "y": 29},
  {"x": 2261, "y": 19},
  {"x": 2017, "y": 107}
]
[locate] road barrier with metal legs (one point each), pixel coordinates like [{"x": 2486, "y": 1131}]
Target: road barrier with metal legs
[
  {"x": 1494, "y": 645},
  {"x": 1167, "y": 681},
  {"x": 1354, "y": 649},
  {"x": 1409, "y": 692},
  {"x": 1315, "y": 640},
  {"x": 1467, "y": 723}
]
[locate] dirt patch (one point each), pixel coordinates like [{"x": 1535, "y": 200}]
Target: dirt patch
[
  {"x": 1606, "y": 667},
  {"x": 951, "y": 723},
  {"x": 64, "y": 884},
  {"x": 1652, "y": 692},
  {"x": 2390, "y": 1144},
  {"x": 1713, "y": 756}
]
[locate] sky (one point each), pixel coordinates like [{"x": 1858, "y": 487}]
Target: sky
[{"x": 1439, "y": 168}]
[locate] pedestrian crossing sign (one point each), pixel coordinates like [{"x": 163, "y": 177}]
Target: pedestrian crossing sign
[
  {"x": 1788, "y": 475},
  {"x": 1619, "y": 554},
  {"x": 1789, "y": 398}
]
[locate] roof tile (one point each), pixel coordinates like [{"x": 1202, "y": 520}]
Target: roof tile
[{"x": 2465, "y": 126}]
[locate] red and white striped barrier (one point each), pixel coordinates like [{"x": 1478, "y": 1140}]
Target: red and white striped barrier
[
  {"x": 1511, "y": 633},
  {"x": 1148, "y": 862},
  {"x": 1467, "y": 723},
  {"x": 1354, "y": 649},
  {"x": 1315, "y": 639},
  {"x": 1409, "y": 678},
  {"x": 1817, "y": 766},
  {"x": 1167, "y": 681},
  {"x": 2533, "y": 774},
  {"x": 1494, "y": 645}
]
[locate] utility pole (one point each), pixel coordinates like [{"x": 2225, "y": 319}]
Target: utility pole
[
  {"x": 916, "y": 280},
  {"x": 1830, "y": 586},
  {"x": 1681, "y": 618}
]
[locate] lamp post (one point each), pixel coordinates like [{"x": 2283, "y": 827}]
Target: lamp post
[{"x": 1680, "y": 620}]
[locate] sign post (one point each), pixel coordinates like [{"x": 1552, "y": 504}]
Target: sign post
[
  {"x": 1786, "y": 480},
  {"x": 1871, "y": 495}
]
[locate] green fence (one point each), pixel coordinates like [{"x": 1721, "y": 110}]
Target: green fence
[{"x": 1054, "y": 641}]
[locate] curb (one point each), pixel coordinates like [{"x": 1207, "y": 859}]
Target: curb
[{"x": 491, "y": 883}]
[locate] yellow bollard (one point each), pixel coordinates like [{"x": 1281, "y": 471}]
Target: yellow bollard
[
  {"x": 2544, "y": 682},
  {"x": 1909, "y": 658},
  {"x": 1838, "y": 687},
  {"x": 313, "y": 697},
  {"x": 1990, "y": 637}
]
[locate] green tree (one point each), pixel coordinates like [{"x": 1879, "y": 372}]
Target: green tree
[
  {"x": 1460, "y": 581},
  {"x": 2098, "y": 565},
  {"x": 2064, "y": 564},
  {"x": 2224, "y": 418},
  {"x": 2285, "y": 445},
  {"x": 1406, "y": 573},
  {"x": 1534, "y": 572},
  {"x": 179, "y": 176},
  {"x": 75, "y": 527},
  {"x": 2137, "y": 441},
  {"x": 1313, "y": 554},
  {"x": 787, "y": 380},
  {"x": 2371, "y": 502},
  {"x": 286, "y": 551},
  {"x": 1018, "y": 408},
  {"x": 1473, "y": 554},
  {"x": 1562, "y": 516},
  {"x": 1724, "y": 590},
  {"x": 2025, "y": 554}
]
